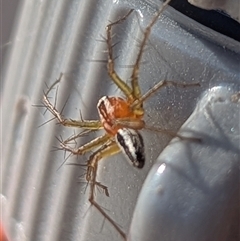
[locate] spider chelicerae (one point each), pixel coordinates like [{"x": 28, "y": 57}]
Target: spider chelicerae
[{"x": 121, "y": 118}]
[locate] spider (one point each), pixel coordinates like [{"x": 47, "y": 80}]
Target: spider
[{"x": 121, "y": 118}]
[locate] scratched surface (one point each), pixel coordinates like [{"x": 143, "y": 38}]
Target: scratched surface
[{"x": 43, "y": 200}]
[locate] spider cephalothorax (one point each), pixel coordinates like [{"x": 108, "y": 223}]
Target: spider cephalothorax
[{"x": 120, "y": 121}]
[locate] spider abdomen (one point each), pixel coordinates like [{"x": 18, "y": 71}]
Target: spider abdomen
[{"x": 131, "y": 144}]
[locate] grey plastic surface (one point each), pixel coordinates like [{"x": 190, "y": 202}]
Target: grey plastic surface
[
  {"x": 43, "y": 200},
  {"x": 230, "y": 7},
  {"x": 192, "y": 191}
]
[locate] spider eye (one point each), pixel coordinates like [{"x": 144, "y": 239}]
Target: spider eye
[{"x": 131, "y": 144}]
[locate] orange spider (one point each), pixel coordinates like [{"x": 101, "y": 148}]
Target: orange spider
[{"x": 121, "y": 118}]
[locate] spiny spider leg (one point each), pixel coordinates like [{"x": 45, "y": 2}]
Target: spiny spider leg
[
  {"x": 135, "y": 74},
  {"x": 102, "y": 142},
  {"x": 105, "y": 151},
  {"x": 172, "y": 134},
  {"x": 108, "y": 149},
  {"x": 160, "y": 85},
  {"x": 76, "y": 136},
  {"x": 54, "y": 83},
  {"x": 110, "y": 66},
  {"x": 100, "y": 209},
  {"x": 85, "y": 124},
  {"x": 99, "y": 141}
]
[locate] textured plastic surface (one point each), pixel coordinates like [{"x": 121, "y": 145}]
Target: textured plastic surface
[
  {"x": 229, "y": 7},
  {"x": 43, "y": 200},
  {"x": 192, "y": 191}
]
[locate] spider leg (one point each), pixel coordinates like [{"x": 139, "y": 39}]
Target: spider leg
[
  {"x": 95, "y": 143},
  {"x": 172, "y": 134},
  {"x": 111, "y": 65},
  {"x": 146, "y": 33},
  {"x": 130, "y": 123},
  {"x": 113, "y": 223},
  {"x": 107, "y": 150},
  {"x": 85, "y": 124},
  {"x": 158, "y": 86},
  {"x": 73, "y": 137}
]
